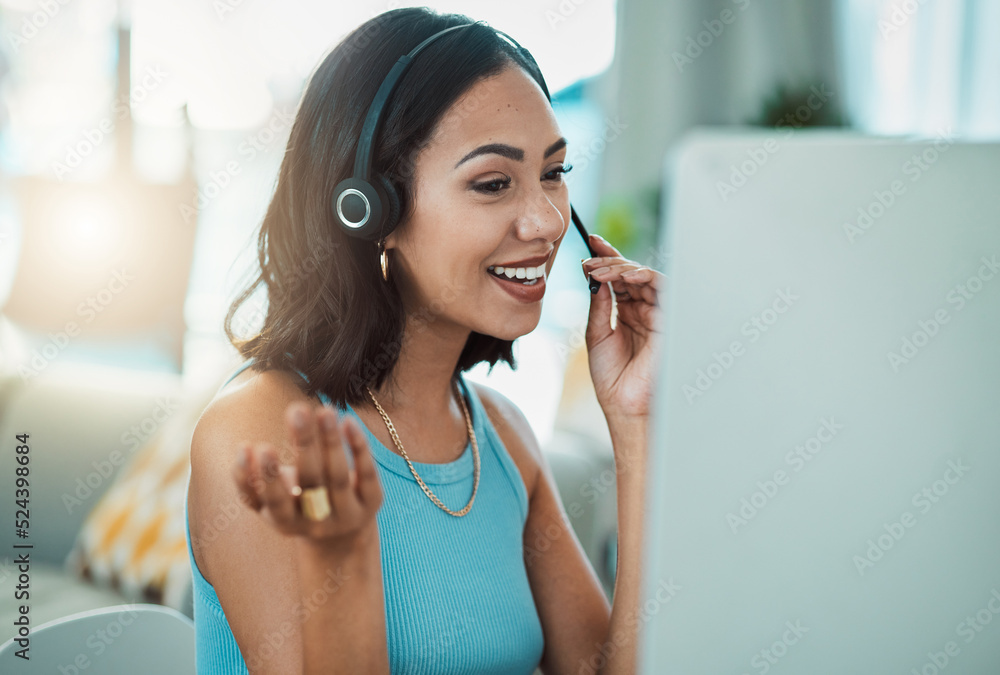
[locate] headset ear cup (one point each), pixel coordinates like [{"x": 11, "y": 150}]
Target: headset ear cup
[
  {"x": 390, "y": 203},
  {"x": 358, "y": 207}
]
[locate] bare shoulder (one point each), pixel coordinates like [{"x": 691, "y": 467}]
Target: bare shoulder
[
  {"x": 248, "y": 562},
  {"x": 515, "y": 432},
  {"x": 249, "y": 408}
]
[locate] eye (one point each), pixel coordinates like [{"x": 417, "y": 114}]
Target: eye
[
  {"x": 554, "y": 174},
  {"x": 492, "y": 186}
]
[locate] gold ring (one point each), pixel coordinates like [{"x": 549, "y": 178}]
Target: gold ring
[{"x": 315, "y": 503}]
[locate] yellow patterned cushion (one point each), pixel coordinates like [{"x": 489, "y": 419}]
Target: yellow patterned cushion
[{"x": 133, "y": 540}]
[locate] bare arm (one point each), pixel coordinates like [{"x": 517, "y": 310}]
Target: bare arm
[
  {"x": 629, "y": 440},
  {"x": 623, "y": 363},
  {"x": 340, "y": 572},
  {"x": 270, "y": 582}
]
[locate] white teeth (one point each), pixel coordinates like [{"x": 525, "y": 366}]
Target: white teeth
[{"x": 527, "y": 273}]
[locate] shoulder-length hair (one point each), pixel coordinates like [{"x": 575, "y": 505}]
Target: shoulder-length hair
[{"x": 329, "y": 313}]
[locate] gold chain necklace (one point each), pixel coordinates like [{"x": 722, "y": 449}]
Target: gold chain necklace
[{"x": 423, "y": 486}]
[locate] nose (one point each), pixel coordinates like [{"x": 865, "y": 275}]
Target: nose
[{"x": 540, "y": 217}]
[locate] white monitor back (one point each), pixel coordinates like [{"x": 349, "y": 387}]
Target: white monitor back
[{"x": 824, "y": 490}]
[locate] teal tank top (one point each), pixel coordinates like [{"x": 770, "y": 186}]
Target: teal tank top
[{"x": 457, "y": 598}]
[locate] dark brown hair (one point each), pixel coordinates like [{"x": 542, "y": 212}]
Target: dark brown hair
[{"x": 329, "y": 313}]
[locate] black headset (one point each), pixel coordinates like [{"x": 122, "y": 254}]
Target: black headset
[{"x": 369, "y": 208}]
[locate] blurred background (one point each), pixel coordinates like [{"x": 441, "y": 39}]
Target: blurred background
[{"x": 139, "y": 146}]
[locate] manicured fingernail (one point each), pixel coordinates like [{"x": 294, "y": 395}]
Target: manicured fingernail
[
  {"x": 299, "y": 419},
  {"x": 630, "y": 273},
  {"x": 601, "y": 270},
  {"x": 241, "y": 456}
]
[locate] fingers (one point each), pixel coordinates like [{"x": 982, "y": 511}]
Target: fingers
[
  {"x": 368, "y": 487},
  {"x": 276, "y": 496},
  {"x": 319, "y": 440},
  {"x": 629, "y": 279},
  {"x": 336, "y": 472},
  {"x": 646, "y": 282},
  {"x": 305, "y": 441},
  {"x": 602, "y": 246},
  {"x": 290, "y": 476}
]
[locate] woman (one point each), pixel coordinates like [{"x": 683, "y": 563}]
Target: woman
[{"x": 419, "y": 529}]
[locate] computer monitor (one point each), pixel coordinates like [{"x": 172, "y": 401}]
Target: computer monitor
[{"x": 824, "y": 484}]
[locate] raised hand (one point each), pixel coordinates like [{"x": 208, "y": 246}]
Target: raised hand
[
  {"x": 319, "y": 440},
  {"x": 622, "y": 361}
]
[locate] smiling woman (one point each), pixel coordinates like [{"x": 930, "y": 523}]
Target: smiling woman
[
  {"x": 386, "y": 527},
  {"x": 423, "y": 111}
]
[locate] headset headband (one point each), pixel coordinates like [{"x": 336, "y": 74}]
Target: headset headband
[
  {"x": 376, "y": 200},
  {"x": 366, "y": 141}
]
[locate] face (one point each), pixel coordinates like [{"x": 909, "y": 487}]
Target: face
[{"x": 488, "y": 190}]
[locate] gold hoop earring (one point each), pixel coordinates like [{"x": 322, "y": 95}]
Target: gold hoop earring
[{"x": 383, "y": 258}]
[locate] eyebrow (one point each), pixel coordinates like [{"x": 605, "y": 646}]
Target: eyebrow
[{"x": 509, "y": 151}]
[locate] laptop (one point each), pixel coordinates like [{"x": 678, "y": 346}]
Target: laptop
[{"x": 824, "y": 483}]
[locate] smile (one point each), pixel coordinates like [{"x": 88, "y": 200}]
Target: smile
[
  {"x": 528, "y": 276},
  {"x": 515, "y": 282}
]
